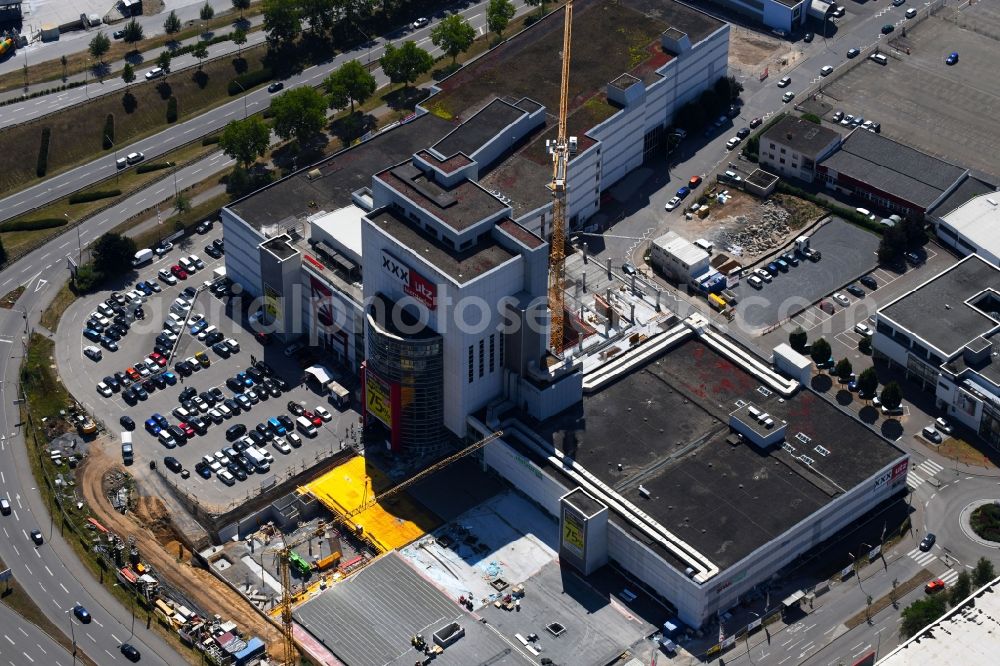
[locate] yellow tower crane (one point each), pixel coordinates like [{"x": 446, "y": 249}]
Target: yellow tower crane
[
  {"x": 560, "y": 150},
  {"x": 285, "y": 554}
]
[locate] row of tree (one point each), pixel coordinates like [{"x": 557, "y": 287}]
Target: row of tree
[
  {"x": 924, "y": 611},
  {"x": 867, "y": 382}
]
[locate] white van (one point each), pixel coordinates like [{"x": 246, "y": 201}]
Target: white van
[
  {"x": 180, "y": 306},
  {"x": 207, "y": 331},
  {"x": 305, "y": 426},
  {"x": 879, "y": 58},
  {"x": 186, "y": 264}
]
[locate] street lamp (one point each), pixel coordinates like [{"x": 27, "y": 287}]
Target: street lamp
[
  {"x": 72, "y": 632},
  {"x": 115, "y": 146},
  {"x": 369, "y": 41},
  {"x": 85, "y": 73},
  {"x": 746, "y": 637},
  {"x": 79, "y": 241},
  {"x": 244, "y": 97},
  {"x": 131, "y": 604}
]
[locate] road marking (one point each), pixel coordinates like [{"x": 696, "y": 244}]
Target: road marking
[
  {"x": 109, "y": 654},
  {"x": 49, "y": 570},
  {"x": 857, "y": 654},
  {"x": 858, "y": 645},
  {"x": 830, "y": 630},
  {"x": 28, "y": 568},
  {"x": 44, "y": 651},
  {"x": 117, "y": 640},
  {"x": 91, "y": 637},
  {"x": 64, "y": 588},
  {"x": 21, "y": 629},
  {"x": 785, "y": 659},
  {"x": 9, "y": 640},
  {"x": 199, "y": 170},
  {"x": 43, "y": 587}
]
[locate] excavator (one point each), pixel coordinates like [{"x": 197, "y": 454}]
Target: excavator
[{"x": 6, "y": 44}]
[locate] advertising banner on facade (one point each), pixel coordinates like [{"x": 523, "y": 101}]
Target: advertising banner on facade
[
  {"x": 412, "y": 283},
  {"x": 378, "y": 398},
  {"x": 572, "y": 533}
]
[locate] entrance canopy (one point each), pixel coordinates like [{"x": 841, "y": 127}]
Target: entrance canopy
[
  {"x": 320, "y": 374},
  {"x": 793, "y": 599}
]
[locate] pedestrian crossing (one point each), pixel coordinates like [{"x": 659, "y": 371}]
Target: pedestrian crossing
[
  {"x": 920, "y": 557},
  {"x": 922, "y": 472},
  {"x": 949, "y": 576}
]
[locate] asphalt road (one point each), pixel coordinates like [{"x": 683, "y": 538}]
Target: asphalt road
[
  {"x": 26, "y": 643},
  {"x": 177, "y": 135},
  {"x": 75, "y": 42}
]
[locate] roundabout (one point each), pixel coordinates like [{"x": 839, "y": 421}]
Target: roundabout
[{"x": 965, "y": 521}]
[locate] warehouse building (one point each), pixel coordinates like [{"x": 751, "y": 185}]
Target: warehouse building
[
  {"x": 943, "y": 334},
  {"x": 730, "y": 471},
  {"x": 973, "y": 227},
  {"x": 792, "y": 147},
  {"x": 435, "y": 212}
]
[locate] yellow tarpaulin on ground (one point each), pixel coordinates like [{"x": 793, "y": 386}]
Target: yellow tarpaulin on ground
[{"x": 391, "y": 525}]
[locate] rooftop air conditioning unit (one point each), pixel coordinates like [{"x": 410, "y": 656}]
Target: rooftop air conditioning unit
[
  {"x": 572, "y": 144},
  {"x": 313, "y": 174}
]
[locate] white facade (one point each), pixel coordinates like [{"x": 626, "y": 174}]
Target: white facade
[
  {"x": 772, "y": 13},
  {"x": 242, "y": 254},
  {"x": 974, "y": 228},
  {"x": 678, "y": 257}
]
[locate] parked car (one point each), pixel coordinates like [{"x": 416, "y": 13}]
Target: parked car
[
  {"x": 763, "y": 275},
  {"x": 788, "y": 97},
  {"x": 862, "y": 329},
  {"x": 853, "y": 53},
  {"x": 683, "y": 192},
  {"x": 931, "y": 434},
  {"x": 840, "y": 298},
  {"x": 869, "y": 282},
  {"x": 826, "y": 71},
  {"x": 888, "y": 28},
  {"x": 784, "y": 81},
  {"x": 855, "y": 290},
  {"x": 911, "y": 13},
  {"x": 755, "y": 282},
  {"x": 673, "y": 203}
]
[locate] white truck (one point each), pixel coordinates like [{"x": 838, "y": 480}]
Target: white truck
[
  {"x": 803, "y": 249},
  {"x": 142, "y": 257}
]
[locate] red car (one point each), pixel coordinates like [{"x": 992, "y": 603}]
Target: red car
[
  {"x": 133, "y": 374},
  {"x": 178, "y": 272},
  {"x": 316, "y": 421},
  {"x": 188, "y": 430},
  {"x": 159, "y": 359},
  {"x": 935, "y": 585}
]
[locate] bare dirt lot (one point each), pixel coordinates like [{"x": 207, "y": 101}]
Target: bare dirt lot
[
  {"x": 158, "y": 544},
  {"x": 751, "y": 52}
]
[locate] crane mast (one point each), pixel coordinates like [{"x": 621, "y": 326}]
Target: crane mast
[{"x": 560, "y": 163}]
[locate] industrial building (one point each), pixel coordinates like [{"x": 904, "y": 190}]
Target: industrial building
[
  {"x": 943, "y": 335},
  {"x": 973, "y": 227},
  {"x": 785, "y": 16},
  {"x": 792, "y": 147},
  {"x": 378, "y": 253},
  {"x": 695, "y": 468},
  {"x": 964, "y": 636},
  {"x": 892, "y": 177}
]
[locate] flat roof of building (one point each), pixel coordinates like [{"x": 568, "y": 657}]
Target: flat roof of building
[
  {"x": 706, "y": 486},
  {"x": 964, "y": 636},
  {"x": 462, "y": 266},
  {"x": 937, "y": 312},
  {"x": 471, "y": 135},
  {"x": 300, "y": 195},
  {"x": 460, "y": 207},
  {"x": 970, "y": 187},
  {"x": 369, "y": 618},
  {"x": 978, "y": 219},
  {"x": 801, "y": 135},
  {"x": 681, "y": 248},
  {"x": 893, "y": 168}
]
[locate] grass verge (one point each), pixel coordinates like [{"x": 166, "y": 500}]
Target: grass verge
[
  {"x": 8, "y": 301},
  {"x": 882, "y": 602},
  {"x": 18, "y": 243},
  {"x": 961, "y": 451},
  {"x": 45, "y": 396},
  {"x": 57, "y": 306},
  {"x": 78, "y": 131},
  {"x": 21, "y": 603},
  {"x": 52, "y": 70}
]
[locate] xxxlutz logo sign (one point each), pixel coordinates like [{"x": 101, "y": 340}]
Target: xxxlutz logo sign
[{"x": 413, "y": 283}]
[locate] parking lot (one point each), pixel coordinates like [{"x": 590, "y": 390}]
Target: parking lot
[
  {"x": 920, "y": 101},
  {"x": 848, "y": 252},
  {"x": 81, "y": 375}
]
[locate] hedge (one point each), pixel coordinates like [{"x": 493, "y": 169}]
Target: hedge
[
  {"x": 109, "y": 132},
  {"x": 848, "y": 214},
  {"x": 210, "y": 140},
  {"x": 43, "y": 154},
  {"x": 33, "y": 225},
  {"x": 218, "y": 39},
  {"x": 84, "y": 197},
  {"x": 249, "y": 80},
  {"x": 172, "y": 109},
  {"x": 153, "y": 166}
]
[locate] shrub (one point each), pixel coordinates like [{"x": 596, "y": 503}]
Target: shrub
[
  {"x": 153, "y": 166},
  {"x": 108, "y": 141},
  {"x": 43, "y": 154},
  {"x": 172, "y": 109},
  {"x": 210, "y": 140},
  {"x": 249, "y": 80},
  {"x": 985, "y": 522},
  {"x": 84, "y": 197},
  {"x": 33, "y": 225},
  {"x": 848, "y": 214},
  {"x": 812, "y": 117}
]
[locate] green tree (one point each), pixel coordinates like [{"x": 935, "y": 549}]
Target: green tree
[
  {"x": 64, "y": 62},
  {"x": 87, "y": 279},
  {"x": 960, "y": 589},
  {"x": 113, "y": 254},
  {"x": 844, "y": 369},
  {"x": 241, "y": 5},
  {"x": 983, "y": 573},
  {"x": 914, "y": 232},
  {"x": 865, "y": 345},
  {"x": 797, "y": 339},
  {"x": 173, "y": 24},
  {"x": 239, "y": 38},
  {"x": 182, "y": 204},
  {"x": 207, "y": 12},
  {"x": 498, "y": 16},
  {"x": 453, "y": 35},
  {"x": 200, "y": 51},
  {"x": 282, "y": 22},
  {"x": 819, "y": 351},
  {"x": 892, "y": 395},
  {"x": 245, "y": 140},
  {"x": 3, "y": 253},
  {"x": 99, "y": 45},
  {"x": 537, "y": 3},
  {"x": 163, "y": 61},
  {"x": 320, "y": 15},
  {"x": 892, "y": 245},
  {"x": 406, "y": 63},
  {"x": 868, "y": 382},
  {"x": 350, "y": 83},
  {"x": 128, "y": 75},
  {"x": 921, "y": 613},
  {"x": 299, "y": 113},
  {"x": 133, "y": 32}
]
